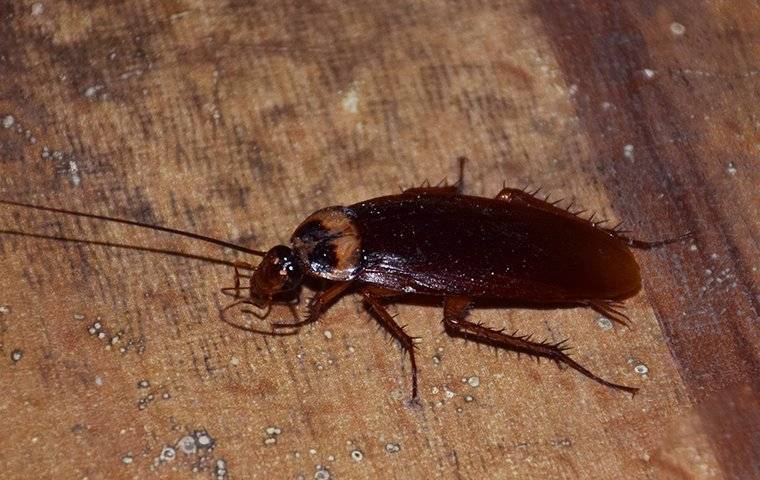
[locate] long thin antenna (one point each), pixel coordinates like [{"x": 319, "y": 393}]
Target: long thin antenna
[
  {"x": 162, "y": 251},
  {"x": 174, "y": 231}
]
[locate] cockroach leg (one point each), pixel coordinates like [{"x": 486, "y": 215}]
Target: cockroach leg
[
  {"x": 611, "y": 310},
  {"x": 223, "y": 316},
  {"x": 260, "y": 316},
  {"x": 647, "y": 245},
  {"x": 294, "y": 312},
  {"x": 514, "y": 195},
  {"x": 460, "y": 181},
  {"x": 234, "y": 292},
  {"x": 406, "y": 341},
  {"x": 317, "y": 305},
  {"x": 442, "y": 188},
  {"x": 454, "y": 311},
  {"x": 242, "y": 266},
  {"x": 529, "y": 199}
]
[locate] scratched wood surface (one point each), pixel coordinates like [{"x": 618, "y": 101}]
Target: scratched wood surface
[{"x": 237, "y": 119}]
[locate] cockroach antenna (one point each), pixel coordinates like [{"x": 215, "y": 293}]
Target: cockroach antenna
[
  {"x": 124, "y": 221},
  {"x": 126, "y": 246}
]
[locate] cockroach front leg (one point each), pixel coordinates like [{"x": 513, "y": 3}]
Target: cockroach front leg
[
  {"x": 235, "y": 291},
  {"x": 406, "y": 341},
  {"x": 223, "y": 316},
  {"x": 317, "y": 305},
  {"x": 455, "y": 311}
]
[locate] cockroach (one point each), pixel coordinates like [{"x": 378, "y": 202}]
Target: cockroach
[{"x": 434, "y": 242}]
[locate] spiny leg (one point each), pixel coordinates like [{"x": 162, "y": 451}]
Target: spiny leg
[
  {"x": 406, "y": 341},
  {"x": 647, "y": 245},
  {"x": 317, "y": 305},
  {"x": 442, "y": 188},
  {"x": 454, "y": 311},
  {"x": 611, "y": 310},
  {"x": 460, "y": 180},
  {"x": 513, "y": 195}
]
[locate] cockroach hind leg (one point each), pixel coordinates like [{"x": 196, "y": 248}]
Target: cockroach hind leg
[
  {"x": 459, "y": 184},
  {"x": 441, "y": 188},
  {"x": 455, "y": 310},
  {"x": 648, "y": 245},
  {"x": 611, "y": 310}
]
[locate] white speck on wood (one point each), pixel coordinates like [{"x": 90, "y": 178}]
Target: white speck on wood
[
  {"x": 628, "y": 151},
  {"x": 677, "y": 28},
  {"x": 92, "y": 91},
  {"x": 74, "y": 173},
  {"x": 351, "y": 101},
  {"x": 604, "y": 323}
]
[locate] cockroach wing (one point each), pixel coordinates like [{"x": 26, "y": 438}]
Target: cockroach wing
[{"x": 481, "y": 247}]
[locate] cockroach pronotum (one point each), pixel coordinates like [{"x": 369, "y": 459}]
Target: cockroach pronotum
[{"x": 433, "y": 242}]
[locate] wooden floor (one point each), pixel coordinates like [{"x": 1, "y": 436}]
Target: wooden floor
[{"x": 238, "y": 119}]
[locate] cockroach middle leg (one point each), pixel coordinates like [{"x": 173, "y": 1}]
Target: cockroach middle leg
[
  {"x": 404, "y": 339},
  {"x": 454, "y": 312}
]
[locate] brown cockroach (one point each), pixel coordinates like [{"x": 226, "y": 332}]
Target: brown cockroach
[{"x": 434, "y": 241}]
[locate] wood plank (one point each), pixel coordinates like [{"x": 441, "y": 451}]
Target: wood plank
[{"x": 236, "y": 120}]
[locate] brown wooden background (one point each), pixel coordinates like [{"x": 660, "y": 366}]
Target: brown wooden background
[{"x": 237, "y": 119}]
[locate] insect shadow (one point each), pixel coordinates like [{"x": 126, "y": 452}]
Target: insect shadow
[{"x": 431, "y": 244}]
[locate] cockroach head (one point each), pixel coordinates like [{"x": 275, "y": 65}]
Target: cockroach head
[{"x": 279, "y": 271}]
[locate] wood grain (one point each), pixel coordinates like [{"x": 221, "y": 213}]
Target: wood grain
[{"x": 237, "y": 119}]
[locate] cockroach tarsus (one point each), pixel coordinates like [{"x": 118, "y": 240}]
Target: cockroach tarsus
[{"x": 434, "y": 242}]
